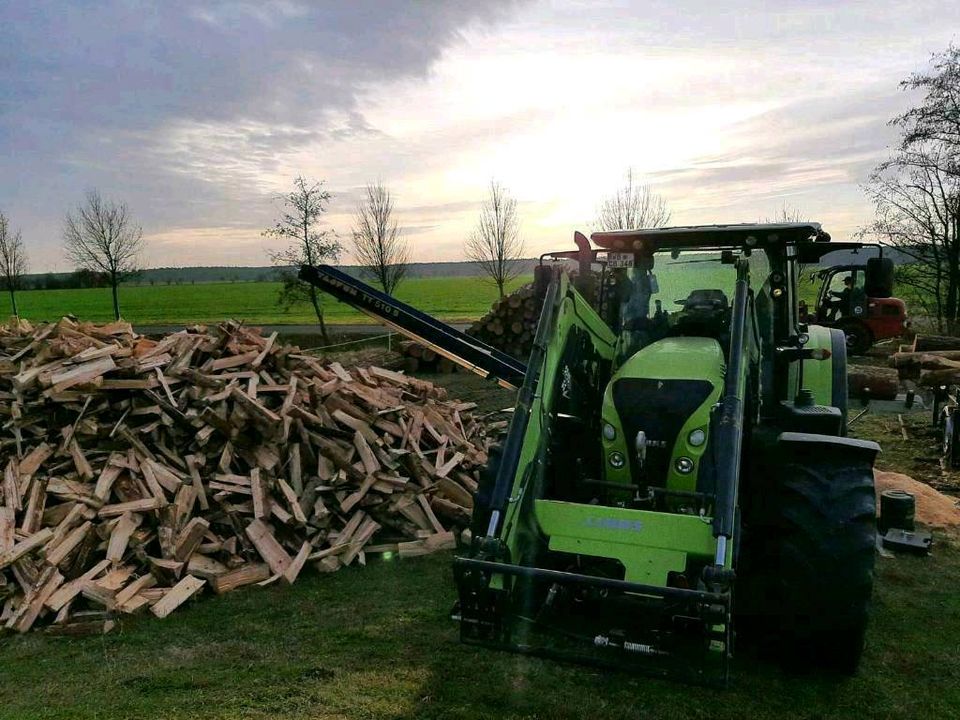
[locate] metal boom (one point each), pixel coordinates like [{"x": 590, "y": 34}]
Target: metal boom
[{"x": 447, "y": 341}]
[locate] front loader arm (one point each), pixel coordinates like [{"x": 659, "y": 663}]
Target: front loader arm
[
  {"x": 447, "y": 341},
  {"x": 729, "y": 433}
]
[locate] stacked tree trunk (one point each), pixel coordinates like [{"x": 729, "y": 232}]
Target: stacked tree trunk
[
  {"x": 931, "y": 360},
  {"x": 137, "y": 473},
  {"x": 511, "y": 324},
  {"x": 868, "y": 382},
  {"x": 420, "y": 358}
]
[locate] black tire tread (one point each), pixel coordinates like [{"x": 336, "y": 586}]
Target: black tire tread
[
  {"x": 863, "y": 338},
  {"x": 826, "y": 530}
]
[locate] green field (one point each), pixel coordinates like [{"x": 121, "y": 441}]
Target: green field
[
  {"x": 451, "y": 299},
  {"x": 454, "y": 299}
]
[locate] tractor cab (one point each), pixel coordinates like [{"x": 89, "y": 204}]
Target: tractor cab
[
  {"x": 858, "y": 299},
  {"x": 673, "y": 293}
]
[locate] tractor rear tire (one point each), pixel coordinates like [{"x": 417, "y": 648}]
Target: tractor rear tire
[{"x": 825, "y": 542}]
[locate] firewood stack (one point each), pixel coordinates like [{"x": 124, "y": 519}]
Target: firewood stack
[
  {"x": 511, "y": 323},
  {"x": 420, "y": 358},
  {"x": 932, "y": 360},
  {"x": 137, "y": 473}
]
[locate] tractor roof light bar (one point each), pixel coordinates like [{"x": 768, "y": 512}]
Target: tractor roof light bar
[{"x": 702, "y": 236}]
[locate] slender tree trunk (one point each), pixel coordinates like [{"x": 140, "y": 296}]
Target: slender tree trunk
[
  {"x": 318, "y": 309},
  {"x": 13, "y": 303},
  {"x": 954, "y": 259},
  {"x": 953, "y": 288},
  {"x": 114, "y": 286}
]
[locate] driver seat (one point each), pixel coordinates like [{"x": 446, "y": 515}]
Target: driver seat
[
  {"x": 704, "y": 313},
  {"x": 705, "y": 301}
]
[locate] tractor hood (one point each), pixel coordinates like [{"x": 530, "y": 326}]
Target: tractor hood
[{"x": 666, "y": 391}]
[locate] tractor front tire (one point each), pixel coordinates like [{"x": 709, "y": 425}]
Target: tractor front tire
[{"x": 825, "y": 542}]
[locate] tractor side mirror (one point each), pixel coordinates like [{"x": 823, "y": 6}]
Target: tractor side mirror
[{"x": 878, "y": 282}]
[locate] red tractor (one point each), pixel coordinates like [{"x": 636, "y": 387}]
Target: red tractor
[{"x": 857, "y": 299}]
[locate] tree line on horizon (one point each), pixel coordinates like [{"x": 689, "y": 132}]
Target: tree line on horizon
[
  {"x": 105, "y": 243},
  {"x": 915, "y": 193}
]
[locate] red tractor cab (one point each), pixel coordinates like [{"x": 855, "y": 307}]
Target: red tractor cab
[{"x": 857, "y": 298}]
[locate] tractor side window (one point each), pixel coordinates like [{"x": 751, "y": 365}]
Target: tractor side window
[
  {"x": 845, "y": 293},
  {"x": 838, "y": 282}
]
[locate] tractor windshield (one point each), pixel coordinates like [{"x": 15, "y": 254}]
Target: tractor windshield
[{"x": 669, "y": 287}]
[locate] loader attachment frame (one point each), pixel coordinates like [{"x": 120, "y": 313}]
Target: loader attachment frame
[{"x": 657, "y": 643}]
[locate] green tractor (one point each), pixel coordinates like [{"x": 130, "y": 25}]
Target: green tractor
[
  {"x": 676, "y": 467},
  {"x": 670, "y": 475}
]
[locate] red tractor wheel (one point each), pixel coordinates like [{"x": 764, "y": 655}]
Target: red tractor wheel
[{"x": 859, "y": 337}]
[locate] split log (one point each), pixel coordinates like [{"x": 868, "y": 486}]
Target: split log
[{"x": 938, "y": 378}]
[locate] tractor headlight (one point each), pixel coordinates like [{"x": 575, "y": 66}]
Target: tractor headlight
[
  {"x": 609, "y": 432},
  {"x": 684, "y": 465},
  {"x": 697, "y": 437},
  {"x": 617, "y": 460}
]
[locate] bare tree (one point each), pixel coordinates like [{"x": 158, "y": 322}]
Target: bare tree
[
  {"x": 937, "y": 119},
  {"x": 496, "y": 245},
  {"x": 100, "y": 236},
  {"x": 13, "y": 261},
  {"x": 916, "y": 193},
  {"x": 299, "y": 224},
  {"x": 633, "y": 206},
  {"x": 787, "y": 214},
  {"x": 917, "y": 206},
  {"x": 381, "y": 250}
]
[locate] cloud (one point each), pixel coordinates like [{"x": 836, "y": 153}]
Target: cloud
[
  {"x": 199, "y": 113},
  {"x": 810, "y": 154},
  {"x": 189, "y": 109}
]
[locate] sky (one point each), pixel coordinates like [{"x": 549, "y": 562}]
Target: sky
[{"x": 199, "y": 114}]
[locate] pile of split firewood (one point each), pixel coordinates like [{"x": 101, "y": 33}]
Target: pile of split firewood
[{"x": 138, "y": 472}]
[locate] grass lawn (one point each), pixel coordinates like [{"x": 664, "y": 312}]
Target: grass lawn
[
  {"x": 451, "y": 299},
  {"x": 454, "y": 299},
  {"x": 376, "y": 643}
]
